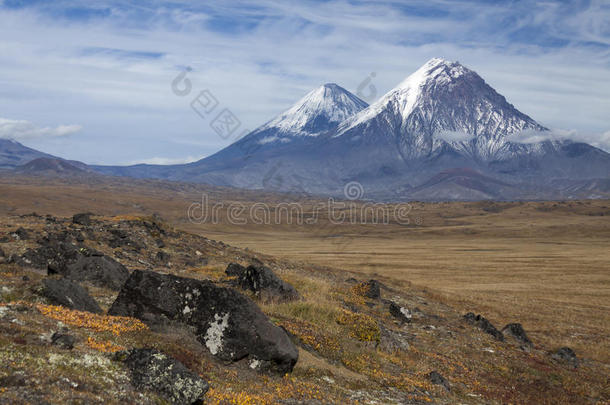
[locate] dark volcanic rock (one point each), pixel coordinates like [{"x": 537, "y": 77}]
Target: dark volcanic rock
[
  {"x": 391, "y": 341},
  {"x": 63, "y": 340},
  {"x": 370, "y": 289},
  {"x": 82, "y": 219},
  {"x": 102, "y": 271},
  {"x": 228, "y": 323},
  {"x": 53, "y": 251},
  {"x": 120, "y": 238},
  {"x": 83, "y": 264},
  {"x": 154, "y": 371},
  {"x": 2, "y": 254},
  {"x": 235, "y": 269},
  {"x": 264, "y": 283},
  {"x": 483, "y": 324},
  {"x": 401, "y": 313},
  {"x": 436, "y": 378},
  {"x": 22, "y": 234},
  {"x": 162, "y": 257},
  {"x": 566, "y": 355},
  {"x": 69, "y": 294},
  {"x": 516, "y": 331}
]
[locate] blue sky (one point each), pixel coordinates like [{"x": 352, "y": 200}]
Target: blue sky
[{"x": 92, "y": 80}]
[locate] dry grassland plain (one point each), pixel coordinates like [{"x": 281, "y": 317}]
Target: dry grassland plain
[{"x": 544, "y": 264}]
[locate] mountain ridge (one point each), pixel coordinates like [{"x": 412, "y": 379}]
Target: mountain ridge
[{"x": 442, "y": 117}]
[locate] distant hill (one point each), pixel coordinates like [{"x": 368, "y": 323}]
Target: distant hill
[
  {"x": 53, "y": 166},
  {"x": 13, "y": 154}
]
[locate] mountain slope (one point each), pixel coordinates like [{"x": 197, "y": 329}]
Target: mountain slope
[
  {"x": 442, "y": 103},
  {"x": 443, "y": 116},
  {"x": 13, "y": 154},
  {"x": 313, "y": 116},
  {"x": 53, "y": 167},
  {"x": 318, "y": 113}
]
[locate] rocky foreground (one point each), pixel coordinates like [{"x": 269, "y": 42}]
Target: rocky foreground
[{"x": 127, "y": 309}]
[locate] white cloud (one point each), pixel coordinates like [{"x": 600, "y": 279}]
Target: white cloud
[
  {"x": 21, "y": 129},
  {"x": 599, "y": 140}
]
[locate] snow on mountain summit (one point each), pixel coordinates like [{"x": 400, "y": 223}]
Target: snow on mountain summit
[
  {"x": 436, "y": 71},
  {"x": 442, "y": 97},
  {"x": 318, "y": 111}
]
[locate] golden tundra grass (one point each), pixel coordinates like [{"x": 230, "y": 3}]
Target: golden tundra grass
[{"x": 544, "y": 264}]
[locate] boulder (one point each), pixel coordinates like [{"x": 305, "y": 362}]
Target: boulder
[
  {"x": 235, "y": 269},
  {"x": 228, "y": 323},
  {"x": 82, "y": 219},
  {"x": 401, "y": 313},
  {"x": 516, "y": 331},
  {"x": 63, "y": 340},
  {"x": 154, "y": 371},
  {"x": 89, "y": 265},
  {"x": 120, "y": 238},
  {"x": 566, "y": 355},
  {"x": 436, "y": 378},
  {"x": 392, "y": 341},
  {"x": 50, "y": 251},
  {"x": 264, "y": 283},
  {"x": 21, "y": 234},
  {"x": 69, "y": 294},
  {"x": 483, "y": 324}
]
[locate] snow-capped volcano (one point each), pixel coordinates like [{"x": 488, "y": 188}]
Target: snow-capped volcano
[
  {"x": 442, "y": 103},
  {"x": 442, "y": 133},
  {"x": 318, "y": 112}
]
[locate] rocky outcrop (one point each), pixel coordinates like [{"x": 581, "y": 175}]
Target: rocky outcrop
[
  {"x": 392, "y": 341},
  {"x": 235, "y": 270},
  {"x": 21, "y": 234},
  {"x": 82, "y": 219},
  {"x": 370, "y": 289},
  {"x": 262, "y": 281},
  {"x": 483, "y": 324},
  {"x": 77, "y": 263},
  {"x": 228, "y": 323},
  {"x": 52, "y": 252},
  {"x": 63, "y": 340},
  {"x": 154, "y": 371},
  {"x": 121, "y": 239},
  {"x": 69, "y": 294},
  {"x": 516, "y": 332},
  {"x": 401, "y": 313},
  {"x": 83, "y": 264},
  {"x": 567, "y": 356},
  {"x": 436, "y": 378},
  {"x": 101, "y": 270}
]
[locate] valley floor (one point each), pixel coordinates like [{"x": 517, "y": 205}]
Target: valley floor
[{"x": 545, "y": 265}]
